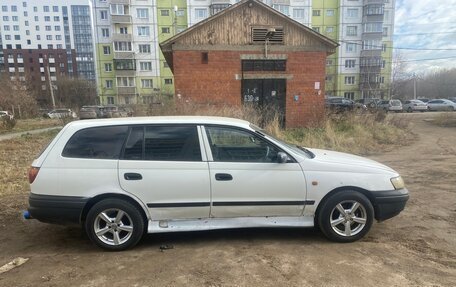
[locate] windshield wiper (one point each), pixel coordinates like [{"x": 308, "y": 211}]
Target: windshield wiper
[{"x": 311, "y": 154}]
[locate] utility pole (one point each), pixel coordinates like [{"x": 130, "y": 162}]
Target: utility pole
[
  {"x": 414, "y": 86},
  {"x": 51, "y": 86}
]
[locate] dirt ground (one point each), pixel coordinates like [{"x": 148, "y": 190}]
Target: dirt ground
[{"x": 416, "y": 248}]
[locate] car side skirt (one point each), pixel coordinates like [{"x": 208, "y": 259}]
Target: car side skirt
[{"x": 182, "y": 225}]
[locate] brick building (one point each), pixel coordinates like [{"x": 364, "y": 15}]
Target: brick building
[{"x": 250, "y": 53}]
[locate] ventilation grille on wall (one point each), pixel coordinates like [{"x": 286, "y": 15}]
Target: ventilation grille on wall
[{"x": 259, "y": 35}]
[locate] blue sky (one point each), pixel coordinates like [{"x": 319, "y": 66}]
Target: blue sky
[{"x": 426, "y": 24}]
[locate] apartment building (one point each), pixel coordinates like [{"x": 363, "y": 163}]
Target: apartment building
[{"x": 42, "y": 41}]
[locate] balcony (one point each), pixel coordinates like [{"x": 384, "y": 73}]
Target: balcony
[
  {"x": 126, "y": 90},
  {"x": 122, "y": 37},
  {"x": 124, "y": 55},
  {"x": 127, "y": 2},
  {"x": 374, "y": 2},
  {"x": 125, "y": 73},
  {"x": 121, "y": 19}
]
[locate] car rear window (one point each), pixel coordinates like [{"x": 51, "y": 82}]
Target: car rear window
[
  {"x": 163, "y": 143},
  {"x": 96, "y": 143}
]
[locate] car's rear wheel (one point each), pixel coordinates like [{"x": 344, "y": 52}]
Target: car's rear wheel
[
  {"x": 409, "y": 110},
  {"x": 346, "y": 216},
  {"x": 114, "y": 224}
]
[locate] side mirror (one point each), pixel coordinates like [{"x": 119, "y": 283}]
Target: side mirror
[{"x": 282, "y": 157}]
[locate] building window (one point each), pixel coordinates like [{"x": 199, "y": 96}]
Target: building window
[
  {"x": 35, "y": 9},
  {"x": 110, "y": 100},
  {"x": 372, "y": 45},
  {"x": 144, "y": 48},
  {"x": 14, "y": 8},
  {"x": 123, "y": 30},
  {"x": 316, "y": 12},
  {"x": 36, "y": 18},
  {"x": 384, "y": 47},
  {"x": 17, "y": 37},
  {"x": 55, "y": 8},
  {"x": 108, "y": 84},
  {"x": 350, "y": 64},
  {"x": 24, "y": 4},
  {"x": 352, "y": 30},
  {"x": 376, "y": 27},
  {"x": 104, "y": 14},
  {"x": 264, "y": 65},
  {"x": 200, "y": 13},
  {"x": 57, "y": 28},
  {"x": 5, "y": 18},
  {"x": 146, "y": 83},
  {"x": 125, "y": 82},
  {"x": 117, "y": 9},
  {"x": 385, "y": 31},
  {"x": 58, "y": 37},
  {"x": 329, "y": 62},
  {"x": 168, "y": 81},
  {"x": 26, "y": 23},
  {"x": 122, "y": 46},
  {"x": 143, "y": 31},
  {"x": 15, "y": 18},
  {"x": 106, "y": 50},
  {"x": 373, "y": 9},
  {"x": 329, "y": 29},
  {"x": 316, "y": 29},
  {"x": 105, "y": 32},
  {"x": 4, "y": 8},
  {"x": 59, "y": 46},
  {"x": 350, "y": 47},
  {"x": 180, "y": 13},
  {"x": 145, "y": 66},
  {"x": 352, "y": 13},
  {"x": 350, "y": 80},
  {"x": 142, "y": 13},
  {"x": 284, "y": 9},
  {"x": 38, "y": 37},
  {"x": 15, "y": 27},
  {"x": 349, "y": 95},
  {"x": 6, "y": 28},
  {"x": 298, "y": 13},
  {"x": 164, "y": 12},
  {"x": 47, "y": 18},
  {"x": 56, "y": 18},
  {"x": 47, "y": 28},
  {"x": 330, "y": 12},
  {"x": 108, "y": 67},
  {"x": 383, "y": 64},
  {"x": 165, "y": 30},
  {"x": 48, "y": 37}
]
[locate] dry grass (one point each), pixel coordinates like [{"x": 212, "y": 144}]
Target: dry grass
[
  {"x": 16, "y": 155},
  {"x": 447, "y": 119},
  {"x": 32, "y": 124}
]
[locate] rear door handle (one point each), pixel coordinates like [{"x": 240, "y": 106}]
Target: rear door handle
[
  {"x": 132, "y": 176},
  {"x": 223, "y": 176}
]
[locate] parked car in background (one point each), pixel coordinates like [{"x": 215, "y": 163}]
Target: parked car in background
[
  {"x": 62, "y": 113},
  {"x": 121, "y": 178},
  {"x": 340, "y": 104},
  {"x": 6, "y": 114},
  {"x": 370, "y": 103},
  {"x": 414, "y": 105},
  {"x": 390, "y": 106},
  {"x": 88, "y": 112},
  {"x": 441, "y": 105},
  {"x": 424, "y": 100},
  {"x": 453, "y": 99}
]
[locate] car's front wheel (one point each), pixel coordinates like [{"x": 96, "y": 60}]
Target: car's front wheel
[
  {"x": 346, "y": 216},
  {"x": 114, "y": 224}
]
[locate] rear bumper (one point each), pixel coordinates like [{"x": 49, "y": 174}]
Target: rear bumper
[
  {"x": 389, "y": 203},
  {"x": 56, "y": 209}
]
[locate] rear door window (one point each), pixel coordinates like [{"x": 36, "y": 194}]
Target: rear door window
[
  {"x": 96, "y": 143},
  {"x": 163, "y": 143}
]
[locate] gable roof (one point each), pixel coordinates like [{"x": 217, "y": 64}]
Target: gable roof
[{"x": 166, "y": 45}]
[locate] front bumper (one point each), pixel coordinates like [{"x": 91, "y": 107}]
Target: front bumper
[
  {"x": 56, "y": 209},
  {"x": 389, "y": 203}
]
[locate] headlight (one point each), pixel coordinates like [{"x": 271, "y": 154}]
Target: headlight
[{"x": 398, "y": 182}]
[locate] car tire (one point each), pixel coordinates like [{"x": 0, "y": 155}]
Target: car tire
[
  {"x": 409, "y": 110},
  {"x": 114, "y": 224},
  {"x": 346, "y": 216}
]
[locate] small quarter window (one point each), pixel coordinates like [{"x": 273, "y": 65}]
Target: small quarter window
[{"x": 96, "y": 143}]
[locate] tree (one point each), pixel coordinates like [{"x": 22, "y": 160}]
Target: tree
[
  {"x": 17, "y": 96},
  {"x": 74, "y": 93},
  {"x": 398, "y": 75}
]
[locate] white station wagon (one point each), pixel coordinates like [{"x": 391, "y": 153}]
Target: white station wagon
[{"x": 120, "y": 178}]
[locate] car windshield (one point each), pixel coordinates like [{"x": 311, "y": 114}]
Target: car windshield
[
  {"x": 296, "y": 148},
  {"x": 395, "y": 103}
]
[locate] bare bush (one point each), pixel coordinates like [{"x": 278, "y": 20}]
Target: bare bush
[{"x": 17, "y": 95}]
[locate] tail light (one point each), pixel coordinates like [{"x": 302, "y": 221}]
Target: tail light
[{"x": 33, "y": 172}]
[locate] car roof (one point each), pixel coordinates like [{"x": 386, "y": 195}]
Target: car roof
[{"x": 161, "y": 120}]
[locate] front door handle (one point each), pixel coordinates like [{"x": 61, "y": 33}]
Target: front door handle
[
  {"x": 223, "y": 176},
  {"x": 132, "y": 176}
]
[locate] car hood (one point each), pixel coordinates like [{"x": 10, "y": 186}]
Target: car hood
[{"x": 344, "y": 160}]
